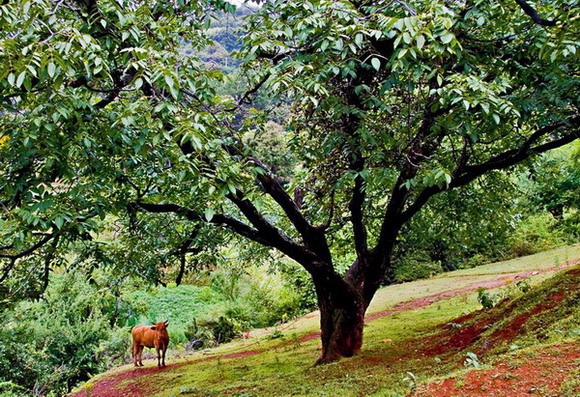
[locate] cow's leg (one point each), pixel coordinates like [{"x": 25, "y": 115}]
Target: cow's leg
[
  {"x": 141, "y": 355},
  {"x": 158, "y": 350},
  {"x": 136, "y": 354},
  {"x": 164, "y": 350}
]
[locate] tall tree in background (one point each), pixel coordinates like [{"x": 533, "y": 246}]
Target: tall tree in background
[{"x": 395, "y": 102}]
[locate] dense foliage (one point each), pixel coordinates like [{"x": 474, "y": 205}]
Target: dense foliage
[
  {"x": 49, "y": 346},
  {"x": 82, "y": 328},
  {"x": 526, "y": 212}
]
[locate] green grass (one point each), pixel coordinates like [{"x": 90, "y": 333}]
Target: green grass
[
  {"x": 540, "y": 261},
  {"x": 394, "y": 345}
]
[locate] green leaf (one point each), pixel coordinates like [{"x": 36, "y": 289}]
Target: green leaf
[
  {"x": 59, "y": 222},
  {"x": 209, "y": 213},
  {"x": 420, "y": 41},
  {"x": 169, "y": 80},
  {"x": 20, "y": 79},
  {"x": 376, "y": 63},
  {"x": 447, "y": 38},
  {"x": 51, "y": 69}
]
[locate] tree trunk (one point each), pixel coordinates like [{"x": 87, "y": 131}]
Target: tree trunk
[
  {"x": 342, "y": 311},
  {"x": 343, "y": 302}
]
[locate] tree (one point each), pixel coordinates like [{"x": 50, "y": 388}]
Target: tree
[
  {"x": 554, "y": 183},
  {"x": 472, "y": 222},
  {"x": 395, "y": 102}
]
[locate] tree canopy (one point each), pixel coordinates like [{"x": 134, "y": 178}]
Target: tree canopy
[{"x": 392, "y": 103}]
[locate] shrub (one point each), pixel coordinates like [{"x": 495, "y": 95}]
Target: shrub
[
  {"x": 416, "y": 265},
  {"x": 485, "y": 298},
  {"x": 176, "y": 304},
  {"x": 299, "y": 280},
  {"x": 10, "y": 389},
  {"x": 50, "y": 345},
  {"x": 212, "y": 332},
  {"x": 233, "y": 302},
  {"x": 536, "y": 233},
  {"x": 474, "y": 261},
  {"x": 116, "y": 349}
]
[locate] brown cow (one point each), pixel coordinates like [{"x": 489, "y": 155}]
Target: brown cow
[{"x": 150, "y": 336}]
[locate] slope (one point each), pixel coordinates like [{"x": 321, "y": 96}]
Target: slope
[{"x": 415, "y": 332}]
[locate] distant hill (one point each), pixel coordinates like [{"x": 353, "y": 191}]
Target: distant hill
[{"x": 226, "y": 32}]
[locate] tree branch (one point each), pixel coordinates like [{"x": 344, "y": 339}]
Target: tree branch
[
  {"x": 244, "y": 99},
  {"x": 534, "y": 14},
  {"x": 30, "y": 250},
  {"x": 313, "y": 237},
  {"x": 357, "y": 219},
  {"x": 266, "y": 234},
  {"x": 184, "y": 248},
  {"x": 218, "y": 219},
  {"x": 421, "y": 149},
  {"x": 14, "y": 257},
  {"x": 265, "y": 231},
  {"x": 466, "y": 174}
]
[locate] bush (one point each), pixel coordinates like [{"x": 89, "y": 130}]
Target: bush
[
  {"x": 211, "y": 332},
  {"x": 484, "y": 298},
  {"x": 474, "y": 261},
  {"x": 116, "y": 349},
  {"x": 536, "y": 233},
  {"x": 234, "y": 301},
  {"x": 10, "y": 389},
  {"x": 176, "y": 304},
  {"x": 416, "y": 265},
  {"x": 299, "y": 280},
  {"x": 199, "y": 336},
  {"x": 50, "y": 345}
]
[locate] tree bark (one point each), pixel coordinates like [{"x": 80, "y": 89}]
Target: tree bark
[
  {"x": 343, "y": 301},
  {"x": 342, "y": 309}
]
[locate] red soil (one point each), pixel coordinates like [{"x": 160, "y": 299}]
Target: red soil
[
  {"x": 109, "y": 387},
  {"x": 558, "y": 296},
  {"x": 540, "y": 375},
  {"x": 458, "y": 339},
  {"x": 575, "y": 271},
  {"x": 512, "y": 330},
  {"x": 462, "y": 319},
  {"x": 455, "y": 339},
  {"x": 311, "y": 336}
]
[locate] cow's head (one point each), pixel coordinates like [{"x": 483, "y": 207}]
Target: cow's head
[{"x": 160, "y": 326}]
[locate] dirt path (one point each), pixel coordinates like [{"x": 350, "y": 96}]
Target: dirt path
[{"x": 108, "y": 387}]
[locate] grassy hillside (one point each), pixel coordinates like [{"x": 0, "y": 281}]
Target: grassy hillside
[{"x": 424, "y": 337}]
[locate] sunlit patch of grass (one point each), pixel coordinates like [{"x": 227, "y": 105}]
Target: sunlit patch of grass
[{"x": 540, "y": 261}]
